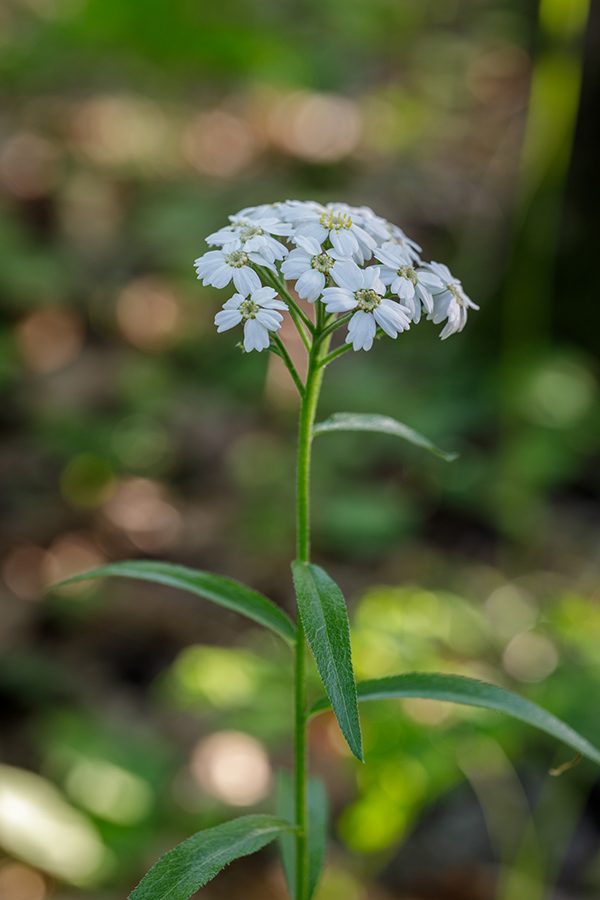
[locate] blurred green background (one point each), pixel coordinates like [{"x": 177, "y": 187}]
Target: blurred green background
[{"x": 130, "y": 715}]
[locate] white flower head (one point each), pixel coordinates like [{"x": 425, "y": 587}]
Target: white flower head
[
  {"x": 413, "y": 286},
  {"x": 259, "y": 314},
  {"x": 326, "y": 250},
  {"x": 310, "y": 265},
  {"x": 449, "y": 302},
  {"x": 253, "y": 234},
  {"x": 363, "y": 290},
  {"x": 335, "y": 224},
  {"x": 219, "y": 267}
]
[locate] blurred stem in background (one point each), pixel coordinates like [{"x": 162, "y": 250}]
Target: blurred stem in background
[
  {"x": 531, "y": 269},
  {"x": 547, "y": 148}
]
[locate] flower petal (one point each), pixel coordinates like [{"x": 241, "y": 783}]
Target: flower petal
[
  {"x": 347, "y": 275},
  {"x": 246, "y": 280},
  {"x": 361, "y": 330},
  {"x": 339, "y": 300},
  {"x": 310, "y": 285},
  {"x": 227, "y": 318},
  {"x": 256, "y": 336}
]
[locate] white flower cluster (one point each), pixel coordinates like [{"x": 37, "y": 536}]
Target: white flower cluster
[{"x": 331, "y": 253}]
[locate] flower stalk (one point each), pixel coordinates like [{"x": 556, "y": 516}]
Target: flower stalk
[
  {"x": 359, "y": 271},
  {"x": 308, "y": 409}
]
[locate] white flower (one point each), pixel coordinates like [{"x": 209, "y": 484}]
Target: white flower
[
  {"x": 259, "y": 314},
  {"x": 252, "y": 234},
  {"x": 219, "y": 267},
  {"x": 450, "y": 302},
  {"x": 310, "y": 265},
  {"x": 362, "y": 289},
  {"x": 335, "y": 223},
  {"x": 412, "y": 286}
]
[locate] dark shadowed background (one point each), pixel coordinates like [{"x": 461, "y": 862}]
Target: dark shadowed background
[{"x": 130, "y": 715}]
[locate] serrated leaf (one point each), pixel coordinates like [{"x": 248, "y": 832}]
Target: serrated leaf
[
  {"x": 323, "y": 613},
  {"x": 470, "y": 692},
  {"x": 383, "y": 424},
  {"x": 182, "y": 871},
  {"x": 223, "y": 591},
  {"x": 318, "y": 813}
]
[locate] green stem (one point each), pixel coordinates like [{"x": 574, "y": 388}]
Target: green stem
[
  {"x": 298, "y": 315},
  {"x": 285, "y": 356},
  {"x": 334, "y": 354},
  {"x": 308, "y": 411},
  {"x": 333, "y": 326}
]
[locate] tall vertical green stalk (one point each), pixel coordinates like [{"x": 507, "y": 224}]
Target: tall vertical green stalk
[{"x": 308, "y": 410}]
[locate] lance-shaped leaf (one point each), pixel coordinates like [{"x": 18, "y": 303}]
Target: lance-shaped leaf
[
  {"x": 223, "y": 591},
  {"x": 323, "y": 612},
  {"x": 384, "y": 424},
  {"x": 470, "y": 692},
  {"x": 318, "y": 812},
  {"x": 182, "y": 871}
]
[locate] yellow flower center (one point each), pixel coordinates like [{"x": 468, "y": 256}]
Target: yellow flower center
[
  {"x": 408, "y": 272},
  {"x": 248, "y": 309},
  {"x": 237, "y": 259},
  {"x": 367, "y": 300},
  {"x": 322, "y": 263},
  {"x": 335, "y": 221},
  {"x": 250, "y": 231}
]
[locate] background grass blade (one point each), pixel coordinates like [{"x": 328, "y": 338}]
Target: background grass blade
[
  {"x": 318, "y": 812},
  {"x": 223, "y": 591},
  {"x": 323, "y": 612},
  {"x": 470, "y": 692},
  {"x": 182, "y": 871},
  {"x": 384, "y": 424}
]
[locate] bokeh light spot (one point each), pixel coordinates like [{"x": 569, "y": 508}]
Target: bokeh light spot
[
  {"x": 49, "y": 339},
  {"x": 321, "y": 128},
  {"x": 141, "y": 508},
  {"x": 560, "y": 394},
  {"x": 39, "y": 826},
  {"x": 530, "y": 657},
  {"x": 109, "y": 791},
  {"x": 226, "y": 678},
  {"x": 511, "y": 609},
  {"x": 22, "y": 570},
  {"x": 28, "y": 165},
  {"x": 220, "y": 144},
  {"x": 233, "y": 767},
  {"x": 19, "y": 882},
  {"x": 373, "y": 822},
  {"x": 87, "y": 480},
  {"x": 148, "y": 313},
  {"x": 69, "y": 555}
]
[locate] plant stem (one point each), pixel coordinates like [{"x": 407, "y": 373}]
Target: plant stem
[
  {"x": 310, "y": 399},
  {"x": 285, "y": 356},
  {"x": 334, "y": 354}
]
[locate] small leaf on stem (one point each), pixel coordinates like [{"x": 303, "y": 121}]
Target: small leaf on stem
[
  {"x": 470, "y": 692},
  {"x": 182, "y": 871},
  {"x": 323, "y": 612},
  {"x": 383, "y": 424},
  {"x": 223, "y": 591}
]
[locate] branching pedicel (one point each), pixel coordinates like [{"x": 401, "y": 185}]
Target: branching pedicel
[{"x": 361, "y": 271}]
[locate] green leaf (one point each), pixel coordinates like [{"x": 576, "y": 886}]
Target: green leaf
[
  {"x": 318, "y": 813},
  {"x": 323, "y": 612},
  {"x": 224, "y": 591},
  {"x": 182, "y": 871},
  {"x": 384, "y": 424},
  {"x": 469, "y": 691}
]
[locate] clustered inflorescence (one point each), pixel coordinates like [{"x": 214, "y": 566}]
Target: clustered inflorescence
[{"x": 349, "y": 259}]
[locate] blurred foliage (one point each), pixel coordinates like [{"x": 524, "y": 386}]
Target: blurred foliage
[{"x": 130, "y": 716}]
